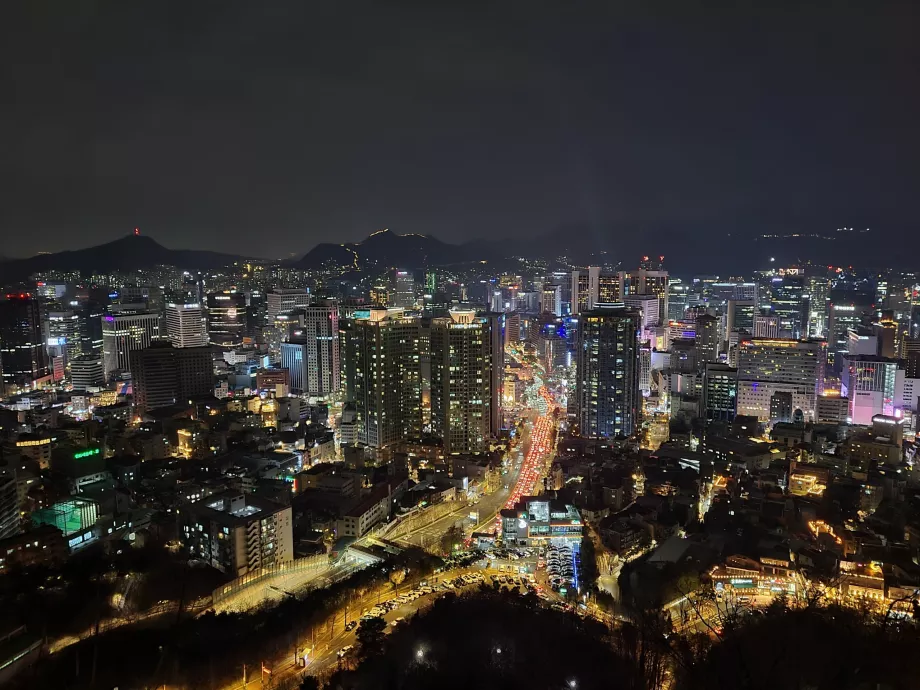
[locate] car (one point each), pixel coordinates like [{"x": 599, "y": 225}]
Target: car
[
  {"x": 345, "y": 650},
  {"x": 351, "y": 625}
]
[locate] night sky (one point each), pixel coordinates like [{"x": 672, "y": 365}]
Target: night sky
[{"x": 265, "y": 127}]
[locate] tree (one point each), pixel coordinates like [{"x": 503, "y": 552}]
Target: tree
[
  {"x": 397, "y": 575},
  {"x": 308, "y": 683},
  {"x": 370, "y": 635},
  {"x": 450, "y": 538}
]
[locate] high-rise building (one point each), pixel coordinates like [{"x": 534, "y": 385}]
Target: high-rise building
[
  {"x": 164, "y": 375},
  {"x": 23, "y": 358},
  {"x": 708, "y": 338},
  {"x": 318, "y": 330},
  {"x": 124, "y": 333},
  {"x": 608, "y": 289},
  {"x": 294, "y": 359},
  {"x": 766, "y": 366},
  {"x": 869, "y": 382},
  {"x": 720, "y": 392},
  {"x": 847, "y": 309},
  {"x": 91, "y": 314},
  {"x": 818, "y": 288},
  {"x": 86, "y": 371},
  {"x": 466, "y": 376},
  {"x": 382, "y": 355},
  {"x": 282, "y": 301},
  {"x": 227, "y": 318},
  {"x": 607, "y": 384},
  {"x": 766, "y": 326},
  {"x": 678, "y": 299},
  {"x": 739, "y": 316},
  {"x": 9, "y": 505},
  {"x": 551, "y": 299},
  {"x": 585, "y": 289},
  {"x": 64, "y": 332},
  {"x": 788, "y": 302},
  {"x": 646, "y": 281},
  {"x": 186, "y": 325},
  {"x": 649, "y": 315},
  {"x": 404, "y": 287}
]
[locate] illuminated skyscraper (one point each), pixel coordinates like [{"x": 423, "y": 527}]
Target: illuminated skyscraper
[
  {"x": 186, "y": 325},
  {"x": 124, "y": 333},
  {"x": 23, "y": 358},
  {"x": 607, "y": 385},
  {"x": 318, "y": 330},
  {"x": 404, "y": 284},
  {"x": 466, "y": 376},
  {"x": 383, "y": 376},
  {"x": 646, "y": 281},
  {"x": 788, "y": 302},
  {"x": 164, "y": 375}
]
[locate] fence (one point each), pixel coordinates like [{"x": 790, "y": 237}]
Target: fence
[{"x": 262, "y": 574}]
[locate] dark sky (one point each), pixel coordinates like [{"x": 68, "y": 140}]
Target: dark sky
[{"x": 265, "y": 127}]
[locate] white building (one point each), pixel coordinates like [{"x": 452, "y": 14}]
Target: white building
[
  {"x": 770, "y": 365},
  {"x": 285, "y": 300},
  {"x": 186, "y": 325},
  {"x": 124, "y": 333},
  {"x": 869, "y": 381},
  {"x": 766, "y": 326},
  {"x": 319, "y": 332}
]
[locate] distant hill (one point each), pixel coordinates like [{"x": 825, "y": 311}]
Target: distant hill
[
  {"x": 126, "y": 253},
  {"x": 385, "y": 248}
]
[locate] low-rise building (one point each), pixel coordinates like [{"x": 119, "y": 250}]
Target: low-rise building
[{"x": 237, "y": 533}]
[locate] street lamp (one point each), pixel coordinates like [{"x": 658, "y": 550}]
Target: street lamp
[
  {"x": 573, "y": 684},
  {"x": 419, "y": 654}
]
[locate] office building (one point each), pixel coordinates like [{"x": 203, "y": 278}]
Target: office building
[
  {"x": 720, "y": 392},
  {"x": 123, "y": 334},
  {"x": 282, "y": 301},
  {"x": 767, "y": 365},
  {"x": 404, "y": 290},
  {"x": 294, "y": 359},
  {"x": 766, "y": 326},
  {"x": 64, "y": 333},
  {"x": 869, "y": 381},
  {"x": 86, "y": 371},
  {"x": 90, "y": 315},
  {"x": 847, "y": 309},
  {"x": 608, "y": 403},
  {"x": 23, "y": 357},
  {"x": 832, "y": 409},
  {"x": 818, "y": 288},
  {"x": 781, "y": 408},
  {"x": 678, "y": 299},
  {"x": 739, "y": 317},
  {"x": 608, "y": 289},
  {"x": 227, "y": 318},
  {"x": 648, "y": 307},
  {"x": 186, "y": 325},
  {"x": 789, "y": 304},
  {"x": 646, "y": 282},
  {"x": 165, "y": 375},
  {"x": 9, "y": 506},
  {"x": 382, "y": 365},
  {"x": 318, "y": 331},
  {"x": 708, "y": 338},
  {"x": 551, "y": 299},
  {"x": 466, "y": 376},
  {"x": 584, "y": 289},
  {"x": 236, "y": 533}
]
